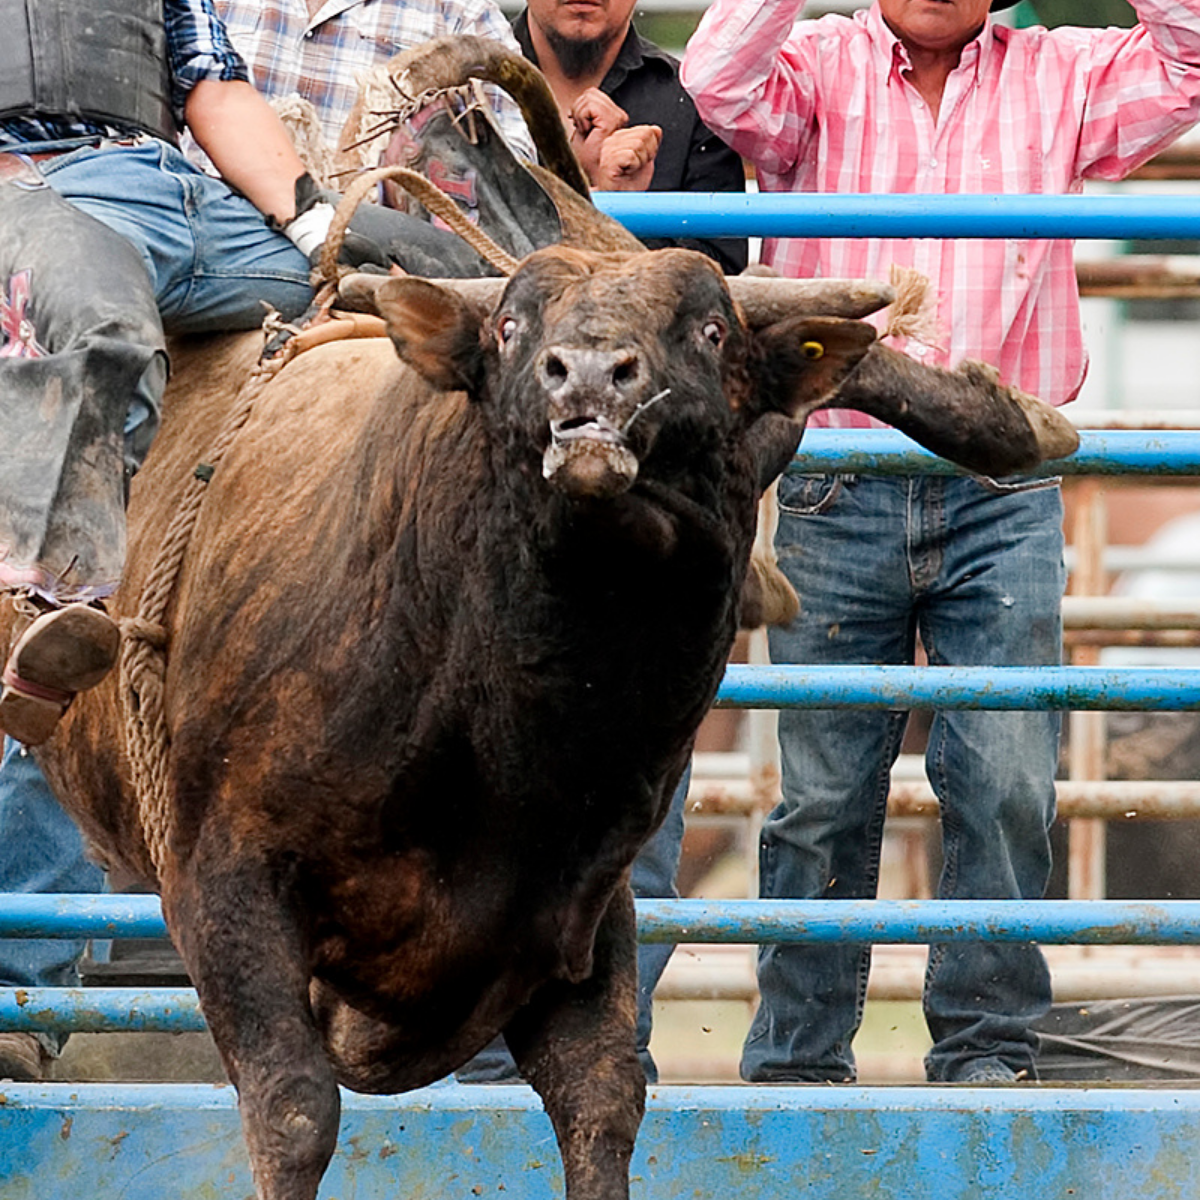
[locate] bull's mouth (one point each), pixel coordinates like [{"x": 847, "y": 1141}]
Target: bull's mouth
[
  {"x": 596, "y": 429},
  {"x": 589, "y": 456}
]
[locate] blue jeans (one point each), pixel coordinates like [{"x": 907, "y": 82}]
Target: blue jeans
[
  {"x": 211, "y": 261},
  {"x": 41, "y": 850},
  {"x": 653, "y": 876},
  {"x": 976, "y": 567},
  {"x": 210, "y": 257}
]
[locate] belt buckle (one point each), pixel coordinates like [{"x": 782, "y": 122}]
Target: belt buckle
[{"x": 20, "y": 170}]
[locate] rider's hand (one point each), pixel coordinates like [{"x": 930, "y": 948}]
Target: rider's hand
[
  {"x": 310, "y": 226},
  {"x": 379, "y": 237}
]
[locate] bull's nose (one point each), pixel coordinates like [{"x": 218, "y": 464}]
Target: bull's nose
[{"x": 568, "y": 371}]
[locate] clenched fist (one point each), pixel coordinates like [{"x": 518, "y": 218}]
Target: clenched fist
[{"x": 616, "y": 156}]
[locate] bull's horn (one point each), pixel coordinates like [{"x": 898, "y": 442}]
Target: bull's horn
[
  {"x": 765, "y": 300},
  {"x": 481, "y": 295},
  {"x": 451, "y": 61},
  {"x": 357, "y": 291}
]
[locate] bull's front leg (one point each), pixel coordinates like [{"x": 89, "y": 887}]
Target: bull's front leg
[
  {"x": 245, "y": 954},
  {"x": 966, "y": 415},
  {"x": 576, "y": 1044}
]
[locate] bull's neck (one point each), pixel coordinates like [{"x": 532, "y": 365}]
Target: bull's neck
[
  {"x": 470, "y": 525},
  {"x": 650, "y": 574}
]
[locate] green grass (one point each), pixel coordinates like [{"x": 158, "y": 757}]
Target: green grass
[{"x": 700, "y": 1041}]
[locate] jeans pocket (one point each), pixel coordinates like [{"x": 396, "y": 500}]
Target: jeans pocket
[
  {"x": 1007, "y": 485},
  {"x": 808, "y": 495}
]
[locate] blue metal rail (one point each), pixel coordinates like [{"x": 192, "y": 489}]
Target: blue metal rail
[
  {"x": 1134, "y": 689},
  {"x": 147, "y": 1142},
  {"x": 1172, "y": 453},
  {"x": 1096, "y": 922},
  {"x": 175, "y": 1010},
  {"x": 729, "y": 214}
]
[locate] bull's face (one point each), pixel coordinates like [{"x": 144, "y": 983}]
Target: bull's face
[
  {"x": 608, "y": 361},
  {"x": 608, "y": 367}
]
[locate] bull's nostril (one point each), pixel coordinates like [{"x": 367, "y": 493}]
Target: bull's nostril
[
  {"x": 625, "y": 373},
  {"x": 554, "y": 368}
]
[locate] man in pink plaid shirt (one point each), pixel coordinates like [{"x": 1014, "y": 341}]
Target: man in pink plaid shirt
[{"x": 929, "y": 96}]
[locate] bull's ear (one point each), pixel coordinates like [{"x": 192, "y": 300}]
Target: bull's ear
[
  {"x": 434, "y": 332},
  {"x": 802, "y": 361}
]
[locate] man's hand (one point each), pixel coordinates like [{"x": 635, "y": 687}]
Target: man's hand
[
  {"x": 615, "y": 156},
  {"x": 307, "y": 230},
  {"x": 378, "y": 237}
]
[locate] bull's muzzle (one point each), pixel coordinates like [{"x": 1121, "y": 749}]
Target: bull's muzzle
[{"x": 593, "y": 396}]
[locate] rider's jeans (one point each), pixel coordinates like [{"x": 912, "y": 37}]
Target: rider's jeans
[
  {"x": 211, "y": 258},
  {"x": 976, "y": 568},
  {"x": 212, "y": 261},
  {"x": 41, "y": 850}
]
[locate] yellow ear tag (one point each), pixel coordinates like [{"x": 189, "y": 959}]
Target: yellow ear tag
[{"x": 812, "y": 350}]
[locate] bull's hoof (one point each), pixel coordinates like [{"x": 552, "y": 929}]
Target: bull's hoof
[
  {"x": 1056, "y": 436},
  {"x": 23, "y": 1058},
  {"x": 768, "y": 597},
  {"x": 63, "y": 652}
]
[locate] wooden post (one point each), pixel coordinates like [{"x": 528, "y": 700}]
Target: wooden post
[{"x": 1086, "y": 837}]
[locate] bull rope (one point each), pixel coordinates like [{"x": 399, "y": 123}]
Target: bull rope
[
  {"x": 144, "y": 639},
  {"x": 144, "y": 636},
  {"x": 430, "y": 195}
]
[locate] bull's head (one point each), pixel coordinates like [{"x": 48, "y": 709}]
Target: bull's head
[{"x": 605, "y": 364}]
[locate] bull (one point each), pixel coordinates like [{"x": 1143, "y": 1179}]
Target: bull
[{"x": 453, "y": 607}]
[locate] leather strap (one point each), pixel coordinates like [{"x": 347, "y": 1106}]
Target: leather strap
[{"x": 36, "y": 691}]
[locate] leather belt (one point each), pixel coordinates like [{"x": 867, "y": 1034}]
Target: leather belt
[{"x": 43, "y": 155}]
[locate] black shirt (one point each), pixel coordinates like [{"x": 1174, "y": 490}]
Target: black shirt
[{"x": 644, "y": 81}]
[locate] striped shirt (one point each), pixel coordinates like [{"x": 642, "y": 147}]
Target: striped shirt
[
  {"x": 198, "y": 48},
  {"x": 321, "y": 58},
  {"x": 826, "y": 107}
]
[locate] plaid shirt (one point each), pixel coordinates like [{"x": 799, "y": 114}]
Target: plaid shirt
[
  {"x": 198, "y": 47},
  {"x": 321, "y": 58},
  {"x": 825, "y": 107}
]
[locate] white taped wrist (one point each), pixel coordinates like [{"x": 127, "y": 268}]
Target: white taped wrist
[{"x": 309, "y": 229}]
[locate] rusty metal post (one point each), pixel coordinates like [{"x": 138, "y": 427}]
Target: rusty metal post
[{"x": 1086, "y": 838}]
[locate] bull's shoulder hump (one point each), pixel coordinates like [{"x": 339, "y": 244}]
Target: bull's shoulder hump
[{"x": 340, "y": 376}]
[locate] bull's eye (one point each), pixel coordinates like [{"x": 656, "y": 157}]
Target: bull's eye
[
  {"x": 812, "y": 350},
  {"x": 714, "y": 332},
  {"x": 506, "y": 330}
]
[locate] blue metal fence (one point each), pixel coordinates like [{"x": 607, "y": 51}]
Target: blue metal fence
[
  {"x": 151, "y": 1142},
  {"x": 896, "y": 922},
  {"x": 145, "y": 1142},
  {"x": 1167, "y": 453},
  {"x": 728, "y": 214}
]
